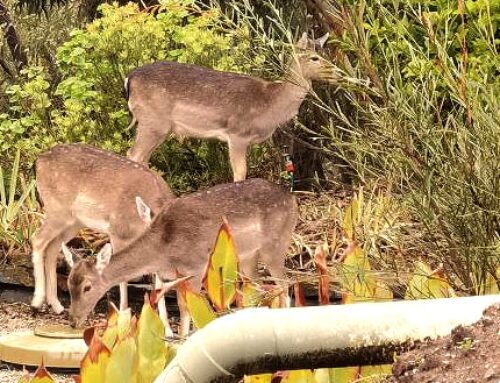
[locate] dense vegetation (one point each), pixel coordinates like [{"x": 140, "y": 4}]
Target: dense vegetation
[{"x": 415, "y": 120}]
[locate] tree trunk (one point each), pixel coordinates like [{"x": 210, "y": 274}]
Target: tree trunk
[{"x": 12, "y": 38}]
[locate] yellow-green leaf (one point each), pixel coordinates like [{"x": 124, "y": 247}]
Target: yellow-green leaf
[
  {"x": 356, "y": 276},
  {"x": 110, "y": 334},
  {"x": 94, "y": 363},
  {"x": 299, "y": 376},
  {"x": 222, "y": 271},
  {"x": 491, "y": 285},
  {"x": 152, "y": 350},
  {"x": 251, "y": 295},
  {"x": 199, "y": 309},
  {"x": 122, "y": 365},
  {"x": 426, "y": 283},
  {"x": 375, "y": 374},
  {"x": 337, "y": 375},
  {"x": 262, "y": 378},
  {"x": 123, "y": 323}
]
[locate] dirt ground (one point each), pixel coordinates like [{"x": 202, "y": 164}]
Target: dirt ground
[{"x": 470, "y": 355}]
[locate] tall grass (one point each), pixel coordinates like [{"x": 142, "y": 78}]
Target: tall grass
[
  {"x": 18, "y": 217},
  {"x": 429, "y": 122}
]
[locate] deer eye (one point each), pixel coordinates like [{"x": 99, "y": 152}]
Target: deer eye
[
  {"x": 315, "y": 58},
  {"x": 87, "y": 288}
]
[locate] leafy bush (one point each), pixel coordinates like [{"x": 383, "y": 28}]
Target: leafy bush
[{"x": 88, "y": 105}]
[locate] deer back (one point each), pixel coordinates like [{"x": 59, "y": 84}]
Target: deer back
[
  {"x": 261, "y": 217},
  {"x": 97, "y": 187},
  {"x": 194, "y": 101}
]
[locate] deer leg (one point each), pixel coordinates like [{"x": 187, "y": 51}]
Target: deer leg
[
  {"x": 147, "y": 140},
  {"x": 52, "y": 250},
  {"x": 274, "y": 259},
  {"x": 162, "y": 309},
  {"x": 185, "y": 320},
  {"x": 45, "y": 242},
  {"x": 238, "y": 159},
  {"x": 123, "y": 296}
]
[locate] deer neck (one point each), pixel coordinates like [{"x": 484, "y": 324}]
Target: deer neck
[
  {"x": 295, "y": 77},
  {"x": 139, "y": 258},
  {"x": 288, "y": 95}
]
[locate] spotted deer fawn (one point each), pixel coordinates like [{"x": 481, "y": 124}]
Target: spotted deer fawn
[
  {"x": 191, "y": 101},
  {"x": 261, "y": 217},
  {"x": 83, "y": 187}
]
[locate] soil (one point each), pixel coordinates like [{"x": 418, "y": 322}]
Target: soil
[{"x": 469, "y": 355}]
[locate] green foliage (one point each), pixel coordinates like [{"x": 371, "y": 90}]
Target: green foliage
[
  {"x": 88, "y": 104},
  {"x": 26, "y": 125},
  {"x": 17, "y": 207},
  {"x": 420, "y": 110}
]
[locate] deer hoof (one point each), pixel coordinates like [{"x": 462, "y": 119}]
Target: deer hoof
[
  {"x": 169, "y": 334},
  {"x": 57, "y": 307},
  {"x": 37, "y": 301}
]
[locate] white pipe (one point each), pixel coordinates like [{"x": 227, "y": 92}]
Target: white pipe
[{"x": 258, "y": 340}]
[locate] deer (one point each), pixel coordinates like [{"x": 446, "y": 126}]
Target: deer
[
  {"x": 191, "y": 101},
  {"x": 261, "y": 216},
  {"x": 80, "y": 186}
]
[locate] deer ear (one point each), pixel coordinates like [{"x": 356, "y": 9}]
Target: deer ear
[
  {"x": 70, "y": 258},
  {"x": 143, "y": 210},
  {"x": 320, "y": 42},
  {"x": 303, "y": 41},
  {"x": 103, "y": 257}
]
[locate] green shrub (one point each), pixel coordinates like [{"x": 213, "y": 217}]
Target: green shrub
[{"x": 88, "y": 105}]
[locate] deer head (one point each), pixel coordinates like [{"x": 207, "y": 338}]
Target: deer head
[
  {"x": 309, "y": 64},
  {"x": 85, "y": 281}
]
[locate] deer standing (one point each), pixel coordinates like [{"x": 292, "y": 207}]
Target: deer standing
[
  {"x": 261, "y": 216},
  {"x": 83, "y": 187},
  {"x": 191, "y": 101}
]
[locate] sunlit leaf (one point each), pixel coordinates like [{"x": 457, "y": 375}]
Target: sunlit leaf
[
  {"x": 151, "y": 348},
  {"x": 251, "y": 294},
  {"x": 124, "y": 323},
  {"x": 94, "y": 363},
  {"x": 122, "y": 365},
  {"x": 222, "y": 271},
  {"x": 375, "y": 374},
  {"x": 199, "y": 308},
  {"x": 324, "y": 277},
  {"x": 426, "y": 283},
  {"x": 337, "y": 375},
  {"x": 110, "y": 334},
  {"x": 263, "y": 378},
  {"x": 356, "y": 276},
  {"x": 299, "y": 376},
  {"x": 491, "y": 284},
  {"x": 42, "y": 376}
]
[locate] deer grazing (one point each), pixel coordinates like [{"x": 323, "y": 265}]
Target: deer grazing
[
  {"x": 261, "y": 216},
  {"x": 191, "y": 101},
  {"x": 83, "y": 187}
]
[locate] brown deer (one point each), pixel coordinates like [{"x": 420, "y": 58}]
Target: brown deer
[
  {"x": 261, "y": 217},
  {"x": 191, "y": 101},
  {"x": 83, "y": 187}
]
